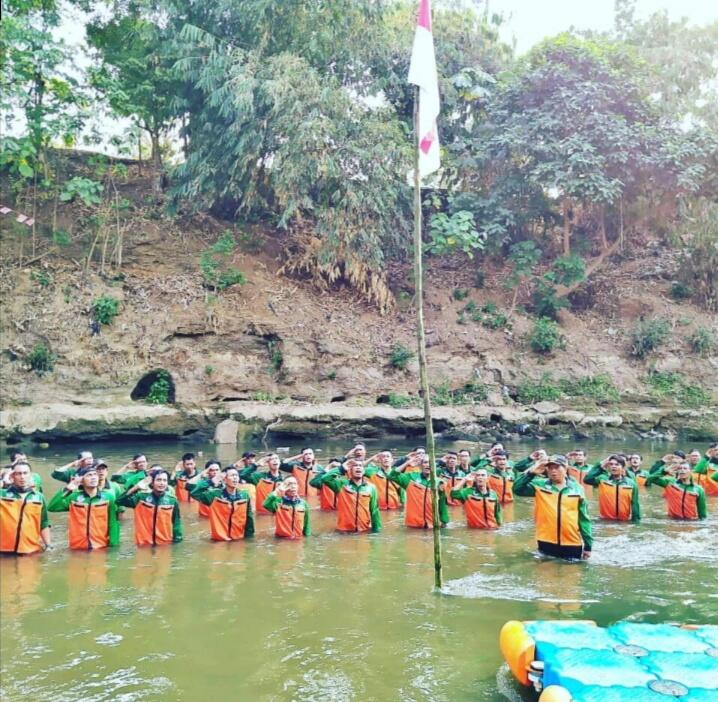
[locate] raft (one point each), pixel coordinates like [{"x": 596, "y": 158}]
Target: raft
[{"x": 578, "y": 661}]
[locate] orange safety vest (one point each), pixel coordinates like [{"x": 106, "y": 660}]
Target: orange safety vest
[
  {"x": 227, "y": 519},
  {"x": 681, "y": 503},
  {"x": 153, "y": 524},
  {"x": 327, "y": 499},
  {"x": 417, "y": 513},
  {"x": 88, "y": 525},
  {"x": 303, "y": 477},
  {"x": 289, "y": 520},
  {"x": 449, "y": 482},
  {"x": 353, "y": 510},
  {"x": 615, "y": 501},
  {"x": 640, "y": 479},
  {"x": 503, "y": 486},
  {"x": 481, "y": 512},
  {"x": 264, "y": 488},
  {"x": 556, "y": 516},
  {"x": 387, "y": 492},
  {"x": 578, "y": 474},
  {"x": 20, "y": 525},
  {"x": 710, "y": 486},
  {"x": 181, "y": 490}
]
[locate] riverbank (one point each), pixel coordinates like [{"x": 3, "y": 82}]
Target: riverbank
[{"x": 229, "y": 422}]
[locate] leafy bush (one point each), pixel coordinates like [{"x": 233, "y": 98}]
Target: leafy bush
[
  {"x": 455, "y": 233},
  {"x": 41, "y": 359},
  {"x": 647, "y": 336},
  {"x": 545, "y": 302},
  {"x": 89, "y": 191},
  {"x": 545, "y": 336},
  {"x": 61, "y": 237},
  {"x": 567, "y": 270},
  {"x": 214, "y": 264},
  {"x": 702, "y": 341},
  {"x": 469, "y": 394},
  {"x": 530, "y": 391},
  {"x": 663, "y": 385},
  {"x": 276, "y": 357},
  {"x": 680, "y": 291},
  {"x": 460, "y": 293},
  {"x": 159, "y": 391},
  {"x": 596, "y": 387},
  {"x": 401, "y": 401},
  {"x": 105, "y": 309},
  {"x": 400, "y": 357}
]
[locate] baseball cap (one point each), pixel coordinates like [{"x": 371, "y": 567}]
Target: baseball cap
[{"x": 558, "y": 460}]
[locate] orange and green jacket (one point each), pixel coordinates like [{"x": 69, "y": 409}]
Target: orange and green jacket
[
  {"x": 23, "y": 515},
  {"x": 404, "y": 479},
  {"x": 153, "y": 501},
  {"x": 469, "y": 493},
  {"x": 600, "y": 478},
  {"x": 690, "y": 502},
  {"x": 275, "y": 502},
  {"x": 337, "y": 482},
  {"x": 82, "y": 522}
]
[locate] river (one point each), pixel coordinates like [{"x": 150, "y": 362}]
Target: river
[{"x": 332, "y": 617}]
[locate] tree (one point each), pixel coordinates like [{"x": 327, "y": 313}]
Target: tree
[{"x": 135, "y": 74}]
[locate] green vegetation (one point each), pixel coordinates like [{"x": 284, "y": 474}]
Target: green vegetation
[
  {"x": 402, "y": 401},
  {"x": 597, "y": 388},
  {"x": 460, "y": 293},
  {"x": 159, "y": 392},
  {"x": 41, "y": 359},
  {"x": 42, "y": 278},
  {"x": 674, "y": 386},
  {"x": 214, "y": 264},
  {"x": 647, "y": 336},
  {"x": 456, "y": 232},
  {"x": 545, "y": 337},
  {"x": 400, "y": 357},
  {"x": 680, "y": 291},
  {"x": 276, "y": 356},
  {"x": 469, "y": 394},
  {"x": 702, "y": 341},
  {"x": 208, "y": 370},
  {"x": 105, "y": 309},
  {"x": 89, "y": 191}
]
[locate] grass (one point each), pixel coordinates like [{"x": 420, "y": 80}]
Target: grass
[
  {"x": 701, "y": 341},
  {"x": 647, "y": 336},
  {"x": 400, "y": 357},
  {"x": 599, "y": 388},
  {"x": 41, "y": 359},
  {"x": 673, "y": 385}
]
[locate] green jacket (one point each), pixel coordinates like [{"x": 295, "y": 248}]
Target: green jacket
[
  {"x": 706, "y": 466},
  {"x": 335, "y": 482},
  {"x": 64, "y": 498},
  {"x": 526, "y": 484},
  {"x": 666, "y": 480},
  {"x": 206, "y": 493},
  {"x": 289, "y": 466},
  {"x": 598, "y": 475},
  {"x": 373, "y": 469},
  {"x": 129, "y": 479},
  {"x": 166, "y": 498},
  {"x": 253, "y": 476},
  {"x": 523, "y": 464},
  {"x": 30, "y": 496},
  {"x": 64, "y": 476},
  {"x": 273, "y": 501},
  {"x": 463, "y": 494},
  {"x": 404, "y": 479}
]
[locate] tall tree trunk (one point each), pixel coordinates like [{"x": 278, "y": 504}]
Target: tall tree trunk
[
  {"x": 566, "y": 227},
  {"x": 156, "y": 163},
  {"x": 602, "y": 228}
]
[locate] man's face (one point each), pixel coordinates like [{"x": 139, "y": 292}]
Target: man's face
[
  {"x": 308, "y": 456},
  {"x": 291, "y": 487},
  {"x": 501, "y": 462},
  {"x": 580, "y": 457},
  {"x": 556, "y": 473},
  {"x": 212, "y": 470},
  {"x": 189, "y": 465},
  {"x": 231, "y": 478},
  {"x": 451, "y": 461},
  {"x": 634, "y": 460},
  {"x": 495, "y": 449},
  {"x": 141, "y": 463},
  {"x": 481, "y": 479},
  {"x": 273, "y": 462},
  {"x": 356, "y": 470},
  {"x": 464, "y": 458},
  {"x": 615, "y": 469},
  {"x": 360, "y": 452},
  {"x": 385, "y": 459},
  {"x": 22, "y": 477},
  {"x": 85, "y": 459},
  {"x": 425, "y": 467},
  {"x": 694, "y": 457},
  {"x": 90, "y": 480},
  {"x": 159, "y": 484},
  {"x": 102, "y": 472},
  {"x": 683, "y": 471}
]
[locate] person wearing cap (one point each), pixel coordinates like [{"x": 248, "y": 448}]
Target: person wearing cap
[
  {"x": 414, "y": 476},
  {"x": 291, "y": 512},
  {"x": 501, "y": 476},
  {"x": 563, "y": 527},
  {"x": 230, "y": 507},
  {"x": 24, "y": 522},
  {"x": 92, "y": 521},
  {"x": 357, "y": 499},
  {"x": 481, "y": 504},
  {"x": 132, "y": 472},
  {"x": 65, "y": 473},
  {"x": 684, "y": 498},
  {"x": 376, "y": 471},
  {"x": 263, "y": 481},
  {"x": 451, "y": 474},
  {"x": 185, "y": 470},
  {"x": 303, "y": 467},
  {"x": 246, "y": 461},
  {"x": 157, "y": 512},
  {"x": 617, "y": 492}
]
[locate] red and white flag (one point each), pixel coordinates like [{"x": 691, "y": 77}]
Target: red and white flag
[{"x": 422, "y": 72}]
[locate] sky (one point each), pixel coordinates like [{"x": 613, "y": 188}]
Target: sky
[{"x": 529, "y": 21}]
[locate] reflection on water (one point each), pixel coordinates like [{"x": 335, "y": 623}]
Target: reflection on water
[{"x": 334, "y": 617}]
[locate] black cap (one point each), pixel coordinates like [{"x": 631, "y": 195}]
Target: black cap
[
  {"x": 249, "y": 454},
  {"x": 680, "y": 454},
  {"x": 99, "y": 462},
  {"x": 86, "y": 470}
]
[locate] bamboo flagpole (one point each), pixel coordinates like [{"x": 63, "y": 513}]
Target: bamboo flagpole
[{"x": 422, "y": 73}]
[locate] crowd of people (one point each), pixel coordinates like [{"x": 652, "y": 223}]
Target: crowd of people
[{"x": 357, "y": 487}]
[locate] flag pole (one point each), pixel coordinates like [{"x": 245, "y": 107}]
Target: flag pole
[{"x": 421, "y": 343}]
